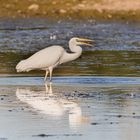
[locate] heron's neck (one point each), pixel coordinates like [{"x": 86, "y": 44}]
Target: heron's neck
[{"x": 76, "y": 52}]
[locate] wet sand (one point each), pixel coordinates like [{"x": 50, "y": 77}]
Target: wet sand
[{"x": 70, "y": 109}]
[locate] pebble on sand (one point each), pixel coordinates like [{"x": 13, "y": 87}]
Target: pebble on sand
[
  {"x": 7, "y": 6},
  {"x": 109, "y": 16},
  {"x": 81, "y": 5},
  {"x": 33, "y": 7},
  {"x": 62, "y": 11}
]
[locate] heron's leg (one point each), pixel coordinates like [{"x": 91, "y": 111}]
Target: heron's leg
[
  {"x": 45, "y": 78},
  {"x": 46, "y": 87},
  {"x": 50, "y": 88},
  {"x": 50, "y": 70}
]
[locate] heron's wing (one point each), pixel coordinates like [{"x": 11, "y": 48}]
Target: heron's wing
[{"x": 45, "y": 58}]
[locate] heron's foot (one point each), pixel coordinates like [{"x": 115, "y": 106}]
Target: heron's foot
[{"x": 50, "y": 81}]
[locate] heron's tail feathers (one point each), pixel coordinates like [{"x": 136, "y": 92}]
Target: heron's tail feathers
[{"x": 22, "y": 66}]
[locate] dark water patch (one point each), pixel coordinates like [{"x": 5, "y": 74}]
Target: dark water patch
[
  {"x": 105, "y": 123},
  {"x": 124, "y": 116},
  {"x": 110, "y": 63},
  {"x": 3, "y": 138},
  {"x": 137, "y": 117},
  {"x": 119, "y": 116},
  {"x": 94, "y": 123},
  {"x": 23, "y": 28},
  {"x": 114, "y": 122},
  {"x": 56, "y": 135},
  {"x": 44, "y": 135}
]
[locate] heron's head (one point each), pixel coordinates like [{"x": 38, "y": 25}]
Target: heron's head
[{"x": 81, "y": 41}]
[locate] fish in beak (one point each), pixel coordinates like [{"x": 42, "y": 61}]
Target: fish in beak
[{"x": 84, "y": 41}]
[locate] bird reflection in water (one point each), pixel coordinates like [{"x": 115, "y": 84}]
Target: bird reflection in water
[{"x": 51, "y": 104}]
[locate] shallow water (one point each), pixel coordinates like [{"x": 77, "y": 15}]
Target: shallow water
[
  {"x": 63, "y": 110},
  {"x": 116, "y": 51},
  {"x": 98, "y": 106}
]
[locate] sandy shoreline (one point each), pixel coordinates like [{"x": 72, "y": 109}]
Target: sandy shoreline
[{"x": 85, "y": 9}]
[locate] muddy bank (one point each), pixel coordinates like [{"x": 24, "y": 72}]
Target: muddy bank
[{"x": 72, "y": 9}]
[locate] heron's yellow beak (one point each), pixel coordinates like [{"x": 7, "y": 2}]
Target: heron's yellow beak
[{"x": 84, "y": 41}]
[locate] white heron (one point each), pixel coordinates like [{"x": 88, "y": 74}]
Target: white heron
[{"x": 47, "y": 59}]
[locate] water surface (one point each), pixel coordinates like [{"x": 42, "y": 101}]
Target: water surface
[
  {"x": 94, "y": 97},
  {"x": 63, "y": 110},
  {"x": 116, "y": 51}
]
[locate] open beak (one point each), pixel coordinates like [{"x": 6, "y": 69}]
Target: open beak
[{"x": 84, "y": 41}]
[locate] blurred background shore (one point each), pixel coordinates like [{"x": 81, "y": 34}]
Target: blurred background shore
[{"x": 71, "y": 9}]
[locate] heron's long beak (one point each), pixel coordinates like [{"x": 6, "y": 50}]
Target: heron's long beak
[{"x": 84, "y": 41}]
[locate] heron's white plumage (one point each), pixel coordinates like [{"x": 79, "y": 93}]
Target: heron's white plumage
[
  {"x": 42, "y": 59},
  {"x": 50, "y": 57}
]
